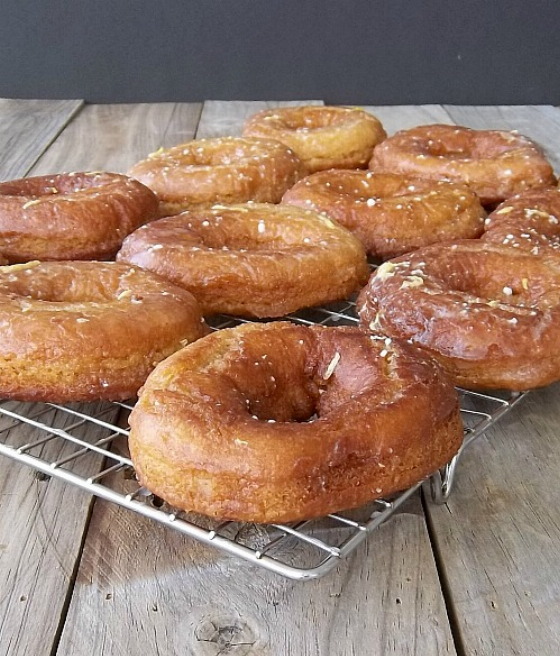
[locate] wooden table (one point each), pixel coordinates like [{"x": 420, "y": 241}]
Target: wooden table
[{"x": 477, "y": 575}]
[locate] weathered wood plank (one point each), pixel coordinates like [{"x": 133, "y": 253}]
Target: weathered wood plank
[
  {"x": 541, "y": 123},
  {"x": 153, "y": 590},
  {"x": 403, "y": 117},
  {"x": 41, "y": 528},
  {"x": 113, "y": 137},
  {"x": 498, "y": 537},
  {"x": 27, "y": 127},
  {"x": 226, "y": 118},
  {"x": 41, "y": 523}
]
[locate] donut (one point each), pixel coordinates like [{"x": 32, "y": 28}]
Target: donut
[
  {"x": 528, "y": 221},
  {"x": 494, "y": 164},
  {"x": 391, "y": 214},
  {"x": 280, "y": 422},
  {"x": 84, "y": 331},
  {"x": 72, "y": 216},
  {"x": 323, "y": 137},
  {"x": 489, "y": 313},
  {"x": 253, "y": 260},
  {"x": 201, "y": 173}
]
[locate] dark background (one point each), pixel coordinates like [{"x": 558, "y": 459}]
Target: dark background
[{"x": 343, "y": 51}]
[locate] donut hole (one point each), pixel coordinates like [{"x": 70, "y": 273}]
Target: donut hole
[
  {"x": 491, "y": 276},
  {"x": 219, "y": 152},
  {"x": 307, "y": 119},
  {"x": 241, "y": 229},
  {"x": 465, "y": 144},
  {"x": 302, "y": 376},
  {"x": 372, "y": 186},
  {"x": 212, "y": 155},
  {"x": 443, "y": 149},
  {"x": 273, "y": 382},
  {"x": 59, "y": 286},
  {"x": 29, "y": 189},
  {"x": 42, "y": 186}
]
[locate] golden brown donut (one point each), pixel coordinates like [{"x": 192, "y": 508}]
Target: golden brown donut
[
  {"x": 255, "y": 260},
  {"x": 489, "y": 313},
  {"x": 323, "y": 137},
  {"x": 391, "y": 214},
  {"x": 71, "y": 216},
  {"x": 529, "y": 221},
  {"x": 82, "y": 331},
  {"x": 201, "y": 173},
  {"x": 494, "y": 164},
  {"x": 279, "y": 422}
]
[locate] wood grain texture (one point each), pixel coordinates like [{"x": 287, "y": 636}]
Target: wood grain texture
[
  {"x": 222, "y": 118},
  {"x": 50, "y": 525},
  {"x": 498, "y": 537},
  {"x": 41, "y": 524},
  {"x": 152, "y": 590},
  {"x": 27, "y": 127},
  {"x": 395, "y": 118},
  {"x": 113, "y": 137},
  {"x": 541, "y": 123}
]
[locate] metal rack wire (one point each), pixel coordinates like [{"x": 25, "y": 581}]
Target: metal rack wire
[{"x": 85, "y": 445}]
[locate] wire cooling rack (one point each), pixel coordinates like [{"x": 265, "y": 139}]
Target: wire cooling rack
[{"x": 85, "y": 445}]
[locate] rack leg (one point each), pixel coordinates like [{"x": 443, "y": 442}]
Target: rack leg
[{"x": 441, "y": 483}]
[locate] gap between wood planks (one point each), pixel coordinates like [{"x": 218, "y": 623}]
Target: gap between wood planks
[{"x": 446, "y": 589}]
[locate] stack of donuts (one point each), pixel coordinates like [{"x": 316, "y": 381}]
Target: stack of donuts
[{"x": 107, "y": 280}]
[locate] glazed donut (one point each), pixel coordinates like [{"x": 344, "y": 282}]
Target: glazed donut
[
  {"x": 201, "y": 173},
  {"x": 323, "y": 137},
  {"x": 254, "y": 260},
  {"x": 70, "y": 216},
  {"x": 494, "y": 164},
  {"x": 280, "y": 422},
  {"x": 529, "y": 221},
  {"x": 391, "y": 214},
  {"x": 490, "y": 314},
  {"x": 83, "y": 331}
]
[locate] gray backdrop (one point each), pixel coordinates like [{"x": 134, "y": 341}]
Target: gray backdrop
[{"x": 378, "y": 52}]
